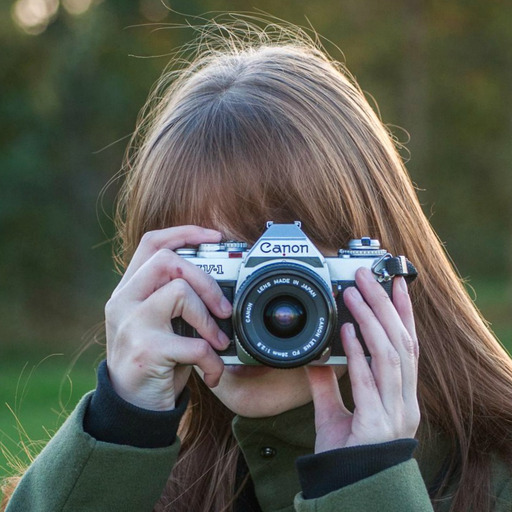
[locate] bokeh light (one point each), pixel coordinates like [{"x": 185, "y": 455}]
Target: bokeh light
[
  {"x": 33, "y": 16},
  {"x": 76, "y": 7},
  {"x": 154, "y": 10}
]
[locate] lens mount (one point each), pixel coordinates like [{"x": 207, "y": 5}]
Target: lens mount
[{"x": 284, "y": 315}]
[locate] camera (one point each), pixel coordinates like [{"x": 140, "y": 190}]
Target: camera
[{"x": 287, "y": 297}]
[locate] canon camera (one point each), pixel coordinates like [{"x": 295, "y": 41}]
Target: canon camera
[{"x": 287, "y": 297}]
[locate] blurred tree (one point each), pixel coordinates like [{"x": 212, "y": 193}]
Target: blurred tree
[{"x": 71, "y": 91}]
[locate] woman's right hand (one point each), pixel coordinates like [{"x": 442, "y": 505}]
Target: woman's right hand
[{"x": 148, "y": 364}]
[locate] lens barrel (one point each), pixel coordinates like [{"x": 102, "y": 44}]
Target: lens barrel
[{"x": 284, "y": 315}]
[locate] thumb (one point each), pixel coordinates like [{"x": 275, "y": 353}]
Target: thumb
[{"x": 325, "y": 391}]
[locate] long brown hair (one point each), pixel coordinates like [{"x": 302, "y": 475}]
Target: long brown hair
[
  {"x": 260, "y": 128},
  {"x": 263, "y": 125}
]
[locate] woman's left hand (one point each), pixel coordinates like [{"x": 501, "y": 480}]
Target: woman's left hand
[{"x": 384, "y": 391}]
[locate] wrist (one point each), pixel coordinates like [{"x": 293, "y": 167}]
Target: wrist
[
  {"x": 109, "y": 418},
  {"x": 154, "y": 394}
]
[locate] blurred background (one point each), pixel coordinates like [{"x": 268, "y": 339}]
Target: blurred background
[{"x": 73, "y": 77}]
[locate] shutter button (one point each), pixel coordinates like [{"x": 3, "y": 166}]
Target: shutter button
[{"x": 267, "y": 452}]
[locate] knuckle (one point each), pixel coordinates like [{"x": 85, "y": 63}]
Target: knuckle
[
  {"x": 366, "y": 322},
  {"x": 115, "y": 309},
  {"x": 374, "y": 291},
  {"x": 180, "y": 288},
  {"x": 382, "y": 298},
  {"x": 393, "y": 358},
  {"x": 409, "y": 344},
  {"x": 171, "y": 267},
  {"x": 368, "y": 382},
  {"x": 412, "y": 421},
  {"x": 162, "y": 256},
  {"x": 110, "y": 307},
  {"x": 202, "y": 350},
  {"x": 164, "y": 263},
  {"x": 149, "y": 238},
  {"x": 141, "y": 355},
  {"x": 415, "y": 417},
  {"x": 416, "y": 349},
  {"x": 124, "y": 333}
]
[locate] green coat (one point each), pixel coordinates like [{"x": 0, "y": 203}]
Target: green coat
[{"x": 76, "y": 473}]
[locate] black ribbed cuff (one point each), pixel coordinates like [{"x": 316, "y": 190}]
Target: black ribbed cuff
[
  {"x": 111, "y": 419},
  {"x": 322, "y": 473}
]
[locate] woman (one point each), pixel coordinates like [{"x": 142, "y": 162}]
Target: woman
[{"x": 252, "y": 132}]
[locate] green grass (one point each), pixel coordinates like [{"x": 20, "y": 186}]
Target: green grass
[{"x": 36, "y": 395}]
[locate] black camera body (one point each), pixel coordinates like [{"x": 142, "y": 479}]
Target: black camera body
[{"x": 287, "y": 297}]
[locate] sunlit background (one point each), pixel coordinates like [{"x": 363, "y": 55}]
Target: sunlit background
[
  {"x": 34, "y": 16},
  {"x": 75, "y": 73}
]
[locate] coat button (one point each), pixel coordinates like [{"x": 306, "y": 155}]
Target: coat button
[{"x": 267, "y": 452}]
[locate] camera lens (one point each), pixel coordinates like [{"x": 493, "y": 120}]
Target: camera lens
[{"x": 284, "y": 317}]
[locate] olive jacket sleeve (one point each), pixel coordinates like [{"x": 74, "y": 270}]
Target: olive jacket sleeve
[
  {"x": 77, "y": 473},
  {"x": 399, "y": 488}
]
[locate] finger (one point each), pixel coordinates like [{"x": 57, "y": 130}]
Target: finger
[
  {"x": 325, "y": 391},
  {"x": 401, "y": 334},
  {"x": 364, "y": 387},
  {"x": 165, "y": 266},
  {"x": 385, "y": 363},
  {"x": 178, "y": 299},
  {"x": 168, "y": 238},
  {"x": 403, "y": 305},
  {"x": 195, "y": 351}
]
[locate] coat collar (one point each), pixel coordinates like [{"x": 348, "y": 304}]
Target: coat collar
[{"x": 271, "y": 446}]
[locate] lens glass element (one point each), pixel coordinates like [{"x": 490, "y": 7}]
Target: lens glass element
[{"x": 284, "y": 317}]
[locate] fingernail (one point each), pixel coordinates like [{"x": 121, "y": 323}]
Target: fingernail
[
  {"x": 354, "y": 293},
  {"x": 225, "y": 306},
  {"x": 350, "y": 330},
  {"x": 223, "y": 339},
  {"x": 403, "y": 284}
]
